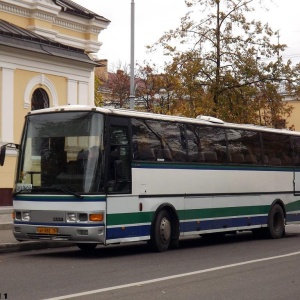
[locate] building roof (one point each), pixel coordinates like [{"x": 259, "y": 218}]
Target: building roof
[
  {"x": 73, "y": 8},
  {"x": 14, "y": 36}
]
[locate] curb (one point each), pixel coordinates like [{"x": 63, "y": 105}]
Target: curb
[
  {"x": 28, "y": 246},
  {"x": 6, "y": 226},
  {"x": 6, "y": 217}
]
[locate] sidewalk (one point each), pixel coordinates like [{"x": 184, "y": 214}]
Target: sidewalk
[
  {"x": 9, "y": 244},
  {"x": 5, "y": 218}
]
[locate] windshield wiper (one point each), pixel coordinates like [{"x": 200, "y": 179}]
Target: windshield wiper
[
  {"x": 51, "y": 188},
  {"x": 66, "y": 191},
  {"x": 21, "y": 191}
]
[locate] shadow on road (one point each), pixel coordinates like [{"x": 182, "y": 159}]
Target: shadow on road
[{"x": 141, "y": 248}]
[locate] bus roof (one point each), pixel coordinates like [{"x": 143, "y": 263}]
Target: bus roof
[{"x": 204, "y": 120}]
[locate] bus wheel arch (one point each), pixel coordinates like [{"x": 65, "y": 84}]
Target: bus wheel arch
[
  {"x": 279, "y": 202},
  {"x": 164, "y": 228},
  {"x": 276, "y": 220}
]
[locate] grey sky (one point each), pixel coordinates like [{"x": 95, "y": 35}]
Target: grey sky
[{"x": 154, "y": 17}]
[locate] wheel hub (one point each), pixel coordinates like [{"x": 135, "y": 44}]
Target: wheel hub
[{"x": 165, "y": 230}]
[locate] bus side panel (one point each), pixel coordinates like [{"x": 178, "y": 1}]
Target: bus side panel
[
  {"x": 219, "y": 213},
  {"x": 208, "y": 180},
  {"x": 124, "y": 219},
  {"x": 293, "y": 207},
  {"x": 293, "y": 210},
  {"x": 217, "y": 198}
]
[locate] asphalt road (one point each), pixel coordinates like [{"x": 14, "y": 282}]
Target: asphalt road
[{"x": 237, "y": 267}]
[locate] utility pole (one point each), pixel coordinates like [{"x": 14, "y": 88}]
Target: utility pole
[
  {"x": 278, "y": 37},
  {"x": 132, "y": 87}
]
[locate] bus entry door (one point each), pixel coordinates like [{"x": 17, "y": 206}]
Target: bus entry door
[{"x": 297, "y": 182}]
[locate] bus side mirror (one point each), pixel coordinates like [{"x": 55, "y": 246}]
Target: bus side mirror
[
  {"x": 3, "y": 150},
  {"x": 2, "y": 154}
]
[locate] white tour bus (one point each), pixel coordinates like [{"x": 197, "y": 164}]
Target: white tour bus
[{"x": 101, "y": 176}]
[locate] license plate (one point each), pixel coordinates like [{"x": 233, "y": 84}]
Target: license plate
[{"x": 47, "y": 230}]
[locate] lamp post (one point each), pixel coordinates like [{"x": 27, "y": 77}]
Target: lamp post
[
  {"x": 257, "y": 84},
  {"x": 132, "y": 88}
]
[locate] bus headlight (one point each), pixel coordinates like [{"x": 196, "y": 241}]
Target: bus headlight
[
  {"x": 71, "y": 217},
  {"x": 83, "y": 217},
  {"x": 26, "y": 216},
  {"x": 17, "y": 215}
]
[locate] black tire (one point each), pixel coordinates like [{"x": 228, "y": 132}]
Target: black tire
[
  {"x": 276, "y": 222},
  {"x": 161, "y": 232},
  {"x": 87, "y": 247}
]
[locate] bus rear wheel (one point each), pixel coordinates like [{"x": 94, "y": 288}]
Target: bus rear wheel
[
  {"x": 276, "y": 222},
  {"x": 161, "y": 234}
]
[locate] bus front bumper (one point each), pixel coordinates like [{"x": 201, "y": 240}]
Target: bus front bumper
[{"x": 91, "y": 234}]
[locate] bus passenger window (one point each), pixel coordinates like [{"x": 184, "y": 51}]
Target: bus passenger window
[
  {"x": 206, "y": 144},
  {"x": 277, "y": 149},
  {"x": 296, "y": 150},
  {"x": 159, "y": 141},
  {"x": 244, "y": 146}
]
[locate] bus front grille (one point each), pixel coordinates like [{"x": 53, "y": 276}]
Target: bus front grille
[{"x": 37, "y": 236}]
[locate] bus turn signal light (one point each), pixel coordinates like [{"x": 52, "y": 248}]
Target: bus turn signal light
[{"x": 96, "y": 217}]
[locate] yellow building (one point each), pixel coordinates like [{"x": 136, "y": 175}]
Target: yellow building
[
  {"x": 45, "y": 60},
  {"x": 293, "y": 121}
]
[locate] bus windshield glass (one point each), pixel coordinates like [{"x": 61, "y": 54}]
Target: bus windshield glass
[{"x": 62, "y": 151}]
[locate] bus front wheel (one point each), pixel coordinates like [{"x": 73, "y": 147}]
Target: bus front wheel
[
  {"x": 162, "y": 230},
  {"x": 276, "y": 222}
]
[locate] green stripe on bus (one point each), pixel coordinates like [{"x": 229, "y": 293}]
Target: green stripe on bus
[
  {"x": 184, "y": 215},
  {"x": 294, "y": 206},
  {"x": 205, "y": 166},
  {"x": 129, "y": 218},
  {"x": 224, "y": 212}
]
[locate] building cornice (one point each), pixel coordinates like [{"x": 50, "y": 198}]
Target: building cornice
[
  {"x": 12, "y": 9},
  {"x": 47, "y": 11}
]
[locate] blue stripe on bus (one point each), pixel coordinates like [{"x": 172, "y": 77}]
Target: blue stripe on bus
[
  {"x": 292, "y": 217},
  {"x": 126, "y": 232},
  {"x": 190, "y": 226},
  {"x": 222, "y": 223}
]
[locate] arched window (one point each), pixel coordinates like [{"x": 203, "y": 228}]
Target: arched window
[{"x": 39, "y": 99}]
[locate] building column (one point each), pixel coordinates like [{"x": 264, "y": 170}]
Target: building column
[
  {"x": 83, "y": 93},
  {"x": 7, "y": 106},
  {"x": 91, "y": 100},
  {"x": 72, "y": 91},
  {"x": 6, "y": 132}
]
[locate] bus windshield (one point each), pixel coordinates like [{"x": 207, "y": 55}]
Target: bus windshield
[{"x": 62, "y": 151}]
